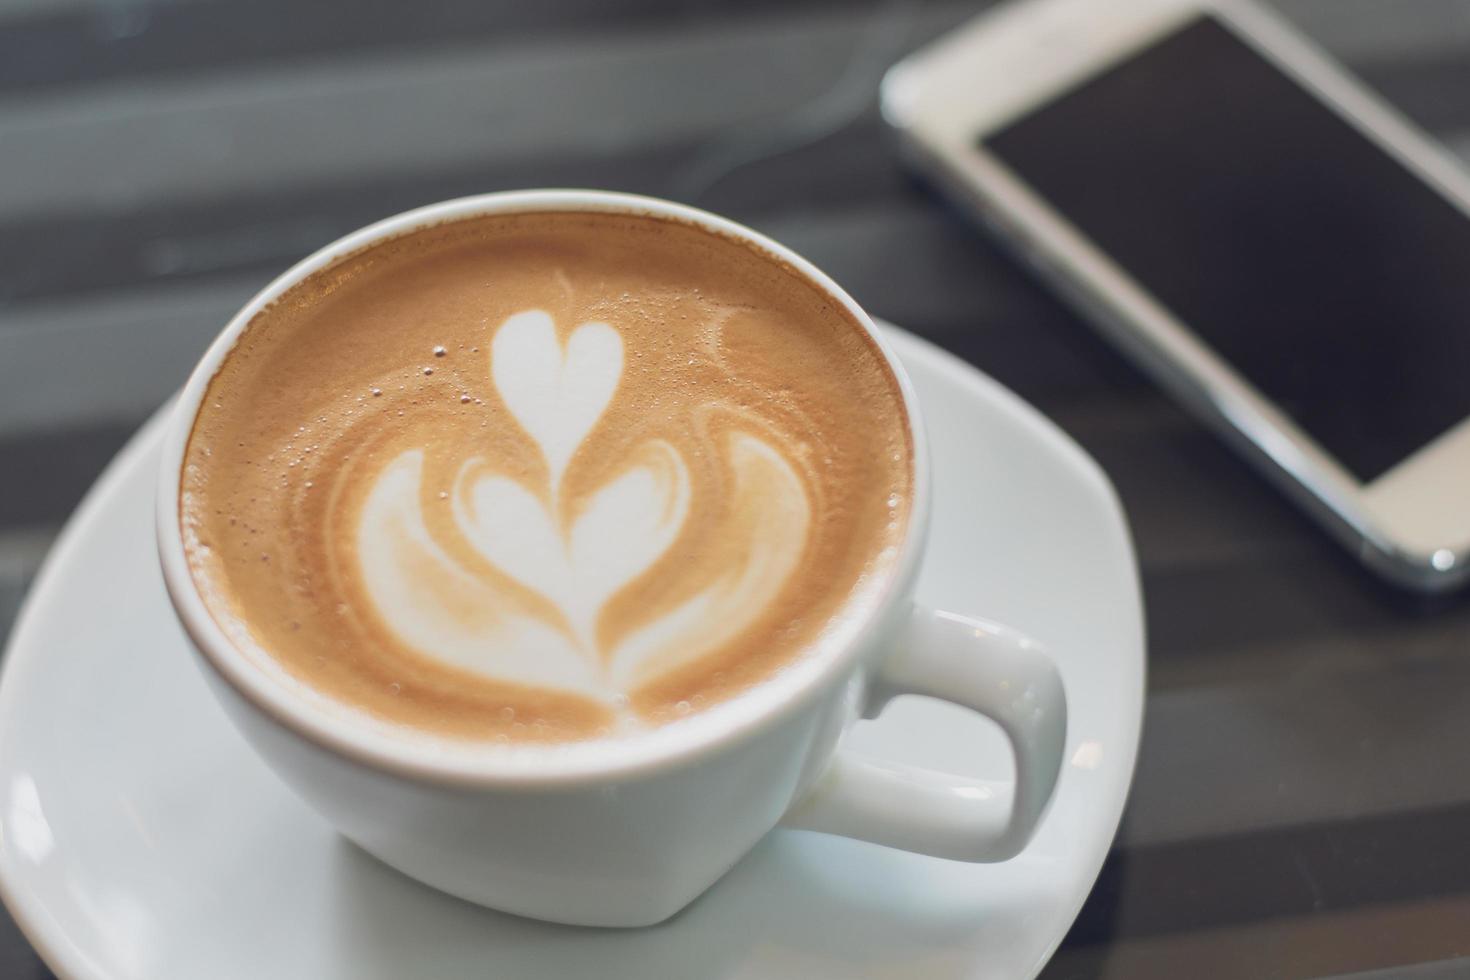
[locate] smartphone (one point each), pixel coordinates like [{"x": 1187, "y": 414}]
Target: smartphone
[{"x": 1277, "y": 247}]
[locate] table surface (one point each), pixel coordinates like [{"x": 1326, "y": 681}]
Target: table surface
[{"x": 1302, "y": 798}]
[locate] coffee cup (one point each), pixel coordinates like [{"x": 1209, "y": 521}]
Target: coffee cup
[{"x": 607, "y": 826}]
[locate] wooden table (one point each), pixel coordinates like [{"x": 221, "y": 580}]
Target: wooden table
[{"x": 1302, "y": 803}]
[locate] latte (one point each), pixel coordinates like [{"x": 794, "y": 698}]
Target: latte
[{"x": 544, "y": 477}]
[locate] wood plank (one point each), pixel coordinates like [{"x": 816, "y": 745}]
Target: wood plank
[
  {"x": 122, "y": 354},
  {"x": 47, "y": 476},
  {"x": 1362, "y": 30},
  {"x": 352, "y": 119},
  {"x": 21, "y": 553},
  {"x": 70, "y": 43},
  {"x": 1388, "y": 937},
  {"x": 1340, "y": 732},
  {"x": 46, "y": 256},
  {"x": 74, "y": 42}
]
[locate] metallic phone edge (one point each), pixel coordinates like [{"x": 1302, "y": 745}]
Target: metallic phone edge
[{"x": 1248, "y": 436}]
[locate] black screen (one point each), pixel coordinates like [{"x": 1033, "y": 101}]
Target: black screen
[{"x": 1322, "y": 269}]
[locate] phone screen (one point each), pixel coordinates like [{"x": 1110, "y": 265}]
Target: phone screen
[{"x": 1324, "y": 271}]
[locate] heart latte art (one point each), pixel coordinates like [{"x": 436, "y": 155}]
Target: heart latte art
[
  {"x": 545, "y": 477},
  {"x": 575, "y": 559}
]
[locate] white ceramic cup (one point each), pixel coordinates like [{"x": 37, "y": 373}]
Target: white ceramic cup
[{"x": 627, "y": 832}]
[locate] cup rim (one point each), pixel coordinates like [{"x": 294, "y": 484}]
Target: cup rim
[{"x": 475, "y": 763}]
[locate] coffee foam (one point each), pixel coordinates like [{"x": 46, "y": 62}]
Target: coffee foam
[{"x": 545, "y": 477}]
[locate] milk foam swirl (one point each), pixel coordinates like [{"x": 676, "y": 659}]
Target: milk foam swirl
[{"x": 576, "y": 557}]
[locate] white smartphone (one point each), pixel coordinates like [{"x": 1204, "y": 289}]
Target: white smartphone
[{"x": 1270, "y": 241}]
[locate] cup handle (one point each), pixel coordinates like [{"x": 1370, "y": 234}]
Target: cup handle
[{"x": 992, "y": 669}]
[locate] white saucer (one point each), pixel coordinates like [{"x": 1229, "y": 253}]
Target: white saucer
[{"x": 139, "y": 837}]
